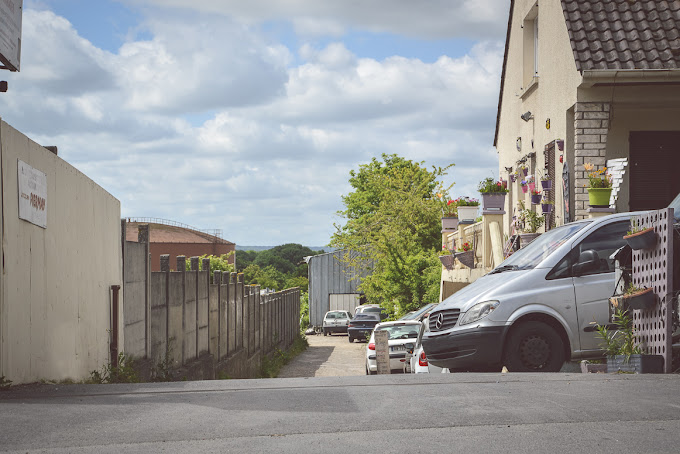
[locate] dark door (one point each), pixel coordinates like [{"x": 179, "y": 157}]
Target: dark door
[{"x": 654, "y": 169}]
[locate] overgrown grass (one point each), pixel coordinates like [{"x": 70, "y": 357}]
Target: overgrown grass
[
  {"x": 5, "y": 383},
  {"x": 123, "y": 373},
  {"x": 271, "y": 365}
]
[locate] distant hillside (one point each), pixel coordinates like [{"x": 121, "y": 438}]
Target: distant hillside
[{"x": 264, "y": 248}]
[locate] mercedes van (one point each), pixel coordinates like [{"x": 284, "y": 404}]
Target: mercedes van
[{"x": 536, "y": 309}]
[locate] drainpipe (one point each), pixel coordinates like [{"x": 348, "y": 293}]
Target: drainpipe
[{"x": 114, "y": 328}]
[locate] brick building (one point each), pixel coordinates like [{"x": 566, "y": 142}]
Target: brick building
[{"x": 168, "y": 237}]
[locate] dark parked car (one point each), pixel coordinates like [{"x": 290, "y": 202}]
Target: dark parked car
[{"x": 361, "y": 326}]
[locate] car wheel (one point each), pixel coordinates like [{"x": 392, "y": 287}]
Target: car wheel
[
  {"x": 534, "y": 347},
  {"x": 325, "y": 333},
  {"x": 350, "y": 338}
]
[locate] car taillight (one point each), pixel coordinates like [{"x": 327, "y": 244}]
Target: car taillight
[
  {"x": 349, "y": 325},
  {"x": 422, "y": 360},
  {"x": 371, "y": 346}
]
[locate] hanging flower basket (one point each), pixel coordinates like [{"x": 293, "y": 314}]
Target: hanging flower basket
[
  {"x": 513, "y": 177},
  {"x": 536, "y": 199},
  {"x": 525, "y": 171},
  {"x": 546, "y": 184},
  {"x": 599, "y": 197},
  {"x": 645, "y": 239},
  {"x": 547, "y": 207},
  {"x": 449, "y": 223},
  {"x": 525, "y": 189},
  {"x": 447, "y": 261},
  {"x": 532, "y": 186},
  {"x": 467, "y": 258}
]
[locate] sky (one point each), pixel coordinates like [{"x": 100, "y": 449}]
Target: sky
[{"x": 249, "y": 116}]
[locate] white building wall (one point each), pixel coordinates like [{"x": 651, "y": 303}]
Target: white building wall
[{"x": 55, "y": 295}]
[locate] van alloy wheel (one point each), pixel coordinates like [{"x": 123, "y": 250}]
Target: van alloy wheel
[{"x": 534, "y": 347}]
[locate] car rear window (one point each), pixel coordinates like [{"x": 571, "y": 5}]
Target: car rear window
[
  {"x": 336, "y": 315},
  {"x": 366, "y": 317}
]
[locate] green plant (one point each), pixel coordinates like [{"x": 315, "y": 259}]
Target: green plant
[
  {"x": 547, "y": 202},
  {"x": 124, "y": 372},
  {"x": 634, "y": 228},
  {"x": 162, "y": 370},
  {"x": 465, "y": 247},
  {"x": 622, "y": 340},
  {"x": 529, "y": 219},
  {"x": 271, "y": 364},
  {"x": 304, "y": 311},
  {"x": 598, "y": 178},
  {"x": 5, "y": 383},
  {"x": 489, "y": 185}
]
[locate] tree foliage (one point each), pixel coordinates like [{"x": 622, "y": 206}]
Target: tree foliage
[{"x": 393, "y": 220}]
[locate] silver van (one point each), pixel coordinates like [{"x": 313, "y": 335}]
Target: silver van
[{"x": 536, "y": 309}]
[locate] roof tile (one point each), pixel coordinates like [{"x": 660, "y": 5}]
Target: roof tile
[{"x": 624, "y": 34}]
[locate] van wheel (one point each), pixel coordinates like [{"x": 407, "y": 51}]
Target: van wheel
[
  {"x": 351, "y": 339},
  {"x": 533, "y": 347},
  {"x": 325, "y": 333}
]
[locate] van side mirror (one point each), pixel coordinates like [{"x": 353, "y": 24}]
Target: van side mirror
[
  {"x": 410, "y": 346},
  {"x": 587, "y": 261}
]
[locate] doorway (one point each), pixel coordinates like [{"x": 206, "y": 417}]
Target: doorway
[{"x": 654, "y": 167}]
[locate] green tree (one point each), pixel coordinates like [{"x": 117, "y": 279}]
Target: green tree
[
  {"x": 243, "y": 259},
  {"x": 393, "y": 223},
  {"x": 268, "y": 277}
]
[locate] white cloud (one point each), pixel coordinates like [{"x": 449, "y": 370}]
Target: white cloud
[{"x": 271, "y": 161}]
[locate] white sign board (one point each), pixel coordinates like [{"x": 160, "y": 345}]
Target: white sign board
[
  {"x": 32, "y": 194},
  {"x": 10, "y": 33},
  {"x": 382, "y": 351}
]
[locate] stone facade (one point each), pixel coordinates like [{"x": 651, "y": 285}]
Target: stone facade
[{"x": 591, "y": 125}]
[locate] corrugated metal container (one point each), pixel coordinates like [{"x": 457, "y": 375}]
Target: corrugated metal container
[{"x": 329, "y": 274}]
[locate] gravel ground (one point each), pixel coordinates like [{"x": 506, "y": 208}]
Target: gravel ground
[{"x": 328, "y": 356}]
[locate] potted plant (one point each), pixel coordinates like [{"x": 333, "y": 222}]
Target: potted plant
[
  {"x": 524, "y": 185},
  {"x": 513, "y": 177},
  {"x": 531, "y": 183},
  {"x": 547, "y": 206},
  {"x": 528, "y": 222},
  {"x": 536, "y": 196},
  {"x": 623, "y": 350},
  {"x": 634, "y": 298},
  {"x": 600, "y": 186},
  {"x": 449, "y": 212},
  {"x": 493, "y": 195},
  {"x": 467, "y": 209},
  {"x": 546, "y": 182},
  {"x": 466, "y": 255},
  {"x": 523, "y": 170},
  {"x": 639, "y": 238}
]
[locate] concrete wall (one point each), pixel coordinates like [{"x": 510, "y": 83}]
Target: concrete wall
[
  {"x": 191, "y": 318},
  {"x": 55, "y": 285},
  {"x": 187, "y": 250}
]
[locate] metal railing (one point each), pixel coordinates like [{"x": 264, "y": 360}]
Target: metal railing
[{"x": 214, "y": 232}]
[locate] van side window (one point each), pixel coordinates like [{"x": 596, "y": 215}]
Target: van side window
[{"x": 604, "y": 241}]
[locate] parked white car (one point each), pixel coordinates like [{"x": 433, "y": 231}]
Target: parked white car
[
  {"x": 400, "y": 333},
  {"x": 415, "y": 359},
  {"x": 335, "y": 322}
]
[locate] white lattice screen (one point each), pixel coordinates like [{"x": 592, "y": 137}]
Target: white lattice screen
[{"x": 654, "y": 268}]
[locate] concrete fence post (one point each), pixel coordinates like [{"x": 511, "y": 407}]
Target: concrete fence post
[
  {"x": 182, "y": 268},
  {"x": 217, "y": 280},
  {"x": 194, "y": 269},
  {"x": 165, "y": 268},
  {"x": 143, "y": 238}
]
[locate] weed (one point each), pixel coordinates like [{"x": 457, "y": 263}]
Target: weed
[
  {"x": 271, "y": 364},
  {"x": 123, "y": 373},
  {"x": 5, "y": 383}
]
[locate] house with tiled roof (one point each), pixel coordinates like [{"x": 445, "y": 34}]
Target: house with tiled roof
[{"x": 591, "y": 81}]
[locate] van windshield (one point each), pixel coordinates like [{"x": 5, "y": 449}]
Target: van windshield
[{"x": 539, "y": 249}]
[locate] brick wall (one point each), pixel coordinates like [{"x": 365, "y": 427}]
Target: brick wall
[{"x": 591, "y": 125}]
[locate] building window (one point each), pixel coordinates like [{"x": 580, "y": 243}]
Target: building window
[{"x": 530, "y": 47}]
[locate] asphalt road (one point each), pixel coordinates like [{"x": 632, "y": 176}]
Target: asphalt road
[
  {"x": 494, "y": 413},
  {"x": 328, "y": 356}
]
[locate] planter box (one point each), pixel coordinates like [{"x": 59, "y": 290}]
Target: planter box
[
  {"x": 449, "y": 223},
  {"x": 467, "y": 214},
  {"x": 547, "y": 208},
  {"x": 589, "y": 368},
  {"x": 493, "y": 203},
  {"x": 646, "y": 239},
  {"x": 638, "y": 364},
  {"x": 536, "y": 199},
  {"x": 546, "y": 184},
  {"x": 526, "y": 238},
  {"x": 642, "y": 300}
]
